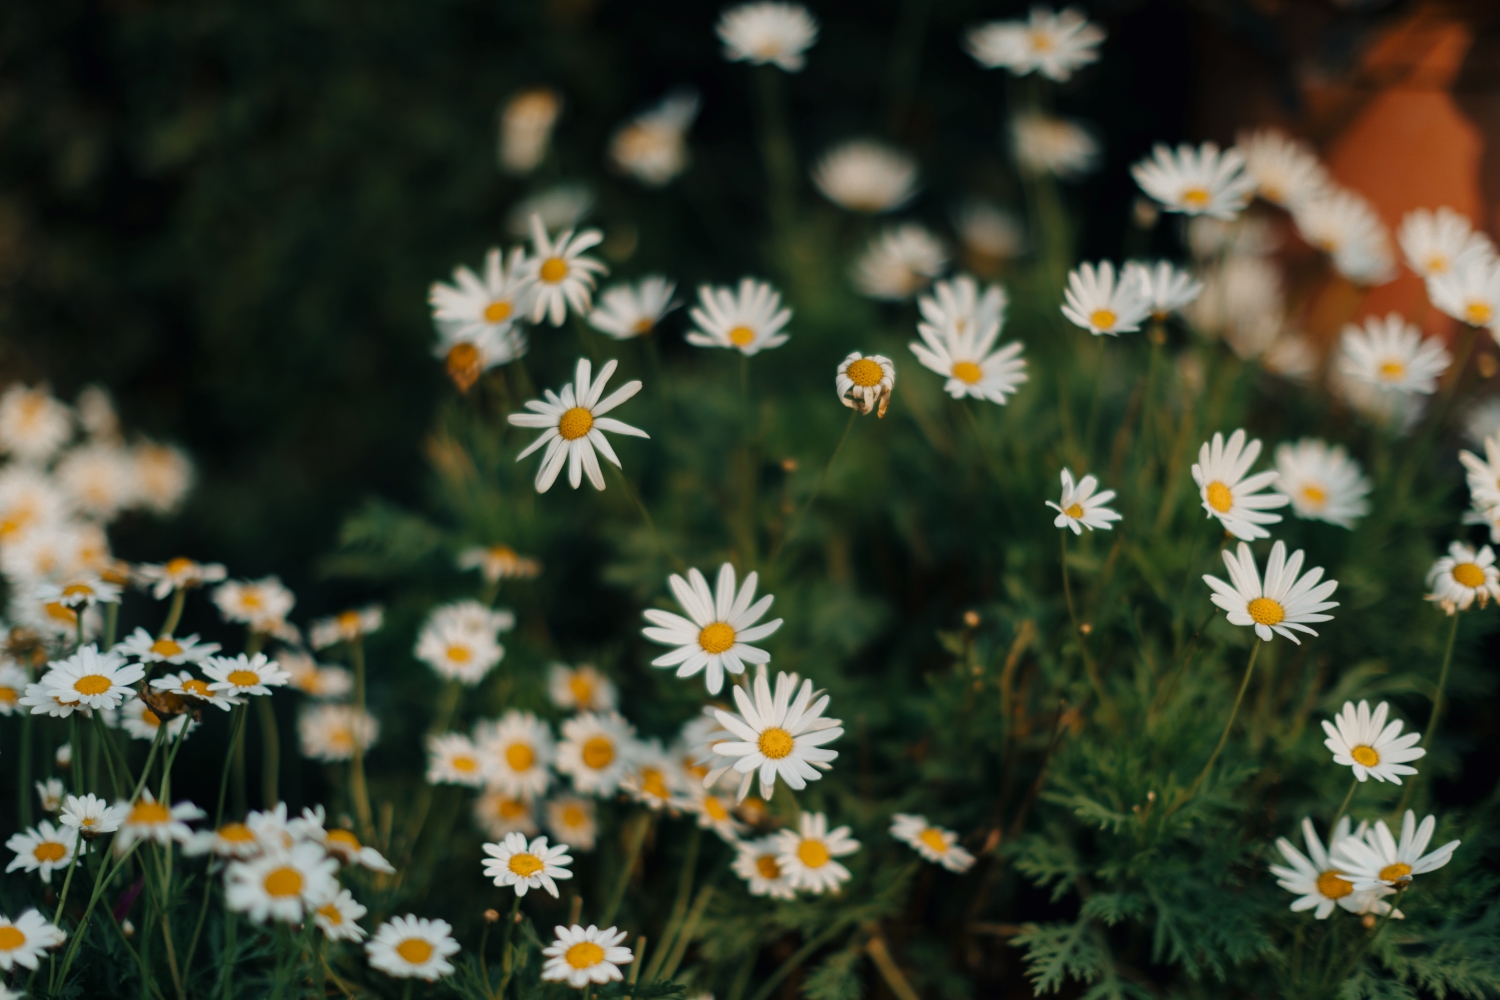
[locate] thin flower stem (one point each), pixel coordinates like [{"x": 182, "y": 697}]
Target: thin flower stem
[
  {"x": 776, "y": 149},
  {"x": 236, "y": 722},
  {"x": 1224, "y": 737},
  {"x": 106, "y": 875},
  {"x": 1365, "y": 944},
  {"x": 150, "y": 759},
  {"x": 635, "y": 839},
  {"x": 79, "y": 846},
  {"x": 174, "y": 613},
  {"x": 1083, "y": 647},
  {"x": 797, "y": 958},
  {"x": 358, "y": 789},
  {"x": 1344, "y": 805},
  {"x": 27, "y": 739},
  {"x": 111, "y": 623},
  {"x": 1437, "y": 708},
  {"x": 679, "y": 905},
  {"x": 661, "y": 545},
  {"x": 270, "y": 765},
  {"x": 506, "y": 961},
  {"x": 689, "y": 928},
  {"x": 817, "y": 488},
  {"x": 75, "y": 748}
]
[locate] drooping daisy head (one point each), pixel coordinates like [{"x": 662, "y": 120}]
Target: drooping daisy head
[
  {"x": 573, "y": 425},
  {"x": 768, "y": 33},
  {"x": 570, "y": 820},
  {"x": 865, "y": 382},
  {"x": 1345, "y": 226},
  {"x": 1229, "y": 494},
  {"x": 1315, "y": 880},
  {"x": 1080, "y": 507},
  {"x": 1196, "y": 181},
  {"x": 518, "y": 752},
  {"x": 1285, "y": 171},
  {"x": 33, "y": 424},
  {"x": 652, "y": 146},
  {"x": 934, "y": 843},
  {"x": 1102, "y": 304},
  {"x": 1462, "y": 577},
  {"x": 328, "y": 732},
  {"x": 1433, "y": 241},
  {"x": 499, "y": 562},
  {"x": 1284, "y": 602},
  {"x": 582, "y": 688},
  {"x": 579, "y": 956},
  {"x": 749, "y": 319},
  {"x": 898, "y": 262},
  {"x": 596, "y": 751},
  {"x": 562, "y": 277},
  {"x": 626, "y": 311},
  {"x": 1392, "y": 355},
  {"x": 1322, "y": 482},
  {"x": 413, "y": 947},
  {"x": 758, "y": 863},
  {"x": 1469, "y": 290},
  {"x": 1378, "y": 859},
  {"x": 1363, "y": 741},
  {"x": 863, "y": 175},
  {"x": 523, "y": 866},
  {"x": 715, "y": 636},
  {"x": 1045, "y": 144},
  {"x": 808, "y": 853},
  {"x": 1053, "y": 44}
]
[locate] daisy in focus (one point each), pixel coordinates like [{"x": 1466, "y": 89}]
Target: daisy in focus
[
  {"x": 866, "y": 176},
  {"x": 90, "y": 679},
  {"x": 1080, "y": 507},
  {"x": 778, "y": 34},
  {"x": 1285, "y": 171},
  {"x": 757, "y": 862},
  {"x": 777, "y": 736},
  {"x": 931, "y": 842},
  {"x": 1379, "y": 860},
  {"x": 807, "y": 853},
  {"x": 580, "y": 956},
  {"x": 626, "y": 311},
  {"x": 961, "y": 305},
  {"x": 1226, "y": 492},
  {"x": 1391, "y": 354},
  {"x": 1462, "y": 577},
  {"x": 749, "y": 319},
  {"x": 1096, "y": 301},
  {"x": 865, "y": 383},
  {"x": 91, "y": 816},
  {"x": 518, "y": 752},
  {"x": 1285, "y": 602},
  {"x": 561, "y": 276},
  {"x": 958, "y": 330},
  {"x": 574, "y": 424},
  {"x": 596, "y": 751},
  {"x": 898, "y": 262},
  {"x": 715, "y": 635},
  {"x": 410, "y": 947},
  {"x": 1469, "y": 290},
  {"x": 1049, "y": 43},
  {"x": 1166, "y": 289},
  {"x": 514, "y": 862},
  {"x": 42, "y": 849},
  {"x": 1364, "y": 742},
  {"x": 243, "y": 675},
  {"x": 1202, "y": 181},
  {"x": 194, "y": 690},
  {"x": 1433, "y": 241},
  {"x": 1317, "y": 883},
  {"x": 581, "y": 689},
  {"x": 1322, "y": 482}
]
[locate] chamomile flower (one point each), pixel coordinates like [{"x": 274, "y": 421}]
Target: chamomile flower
[
  {"x": 652, "y": 146},
  {"x": 474, "y": 616},
  {"x": 865, "y": 383},
  {"x": 581, "y": 689},
  {"x": 1392, "y": 354},
  {"x": 1462, "y": 577},
  {"x": 262, "y": 604},
  {"x": 1080, "y": 507},
  {"x": 50, "y": 794},
  {"x": 91, "y": 816},
  {"x": 517, "y": 754},
  {"x": 177, "y": 651},
  {"x": 757, "y": 862},
  {"x": 959, "y": 304},
  {"x": 231, "y": 840},
  {"x": 625, "y": 311},
  {"x": 778, "y": 736},
  {"x": 1285, "y": 601},
  {"x": 1317, "y": 882},
  {"x": 1322, "y": 482},
  {"x": 1228, "y": 494},
  {"x": 24, "y": 940},
  {"x": 514, "y": 862},
  {"x": 42, "y": 700},
  {"x": 410, "y": 947},
  {"x": 654, "y": 779},
  {"x": 329, "y": 732},
  {"x": 561, "y": 276},
  {"x": 1483, "y": 474},
  {"x": 1433, "y": 241},
  {"x": 91, "y": 679},
  {"x": 1099, "y": 303},
  {"x": 178, "y": 574},
  {"x": 526, "y": 123},
  {"x": 13, "y": 681},
  {"x": 570, "y": 820},
  {"x": 346, "y": 626},
  {"x": 33, "y": 424},
  {"x": 574, "y": 424},
  {"x": 477, "y": 309},
  {"x": 281, "y": 886},
  {"x": 312, "y": 678},
  {"x": 456, "y": 652},
  {"x": 1053, "y": 44},
  {"x": 580, "y": 956},
  {"x": 1347, "y": 227},
  {"x": 898, "y": 262},
  {"x": 1285, "y": 171},
  {"x": 990, "y": 234},
  {"x": 498, "y": 814},
  {"x": 243, "y": 675},
  {"x": 344, "y": 845},
  {"x": 453, "y": 759},
  {"x": 749, "y": 319},
  {"x": 972, "y": 370},
  {"x": 768, "y": 33},
  {"x": 714, "y": 812},
  {"x": 100, "y": 477},
  {"x": 807, "y": 853},
  {"x": 1044, "y": 144},
  {"x": 149, "y": 820},
  {"x": 596, "y": 751},
  {"x": 1469, "y": 290},
  {"x": 499, "y": 562},
  {"x": 163, "y": 476},
  {"x": 1166, "y": 288},
  {"x": 195, "y": 689},
  {"x": 931, "y": 842},
  {"x": 137, "y": 719},
  {"x": 1202, "y": 181},
  {"x": 1379, "y": 860},
  {"x": 866, "y": 176},
  {"x": 43, "y": 848},
  {"x": 714, "y": 637},
  {"x": 80, "y": 592},
  {"x": 338, "y": 918},
  {"x": 1364, "y": 742}
]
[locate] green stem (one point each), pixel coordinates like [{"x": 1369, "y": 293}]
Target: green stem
[
  {"x": 270, "y": 762},
  {"x": 150, "y": 759},
  {"x": 776, "y": 149},
  {"x": 1083, "y": 646},
  {"x": 174, "y": 613},
  {"x": 27, "y": 739},
  {"x": 689, "y": 928},
  {"x": 798, "y": 957},
  {"x": 817, "y": 488},
  {"x": 1224, "y": 737},
  {"x": 111, "y": 624},
  {"x": 640, "y": 823},
  {"x": 1343, "y": 807},
  {"x": 679, "y": 905},
  {"x": 646, "y": 516},
  {"x": 236, "y": 723},
  {"x": 106, "y": 875},
  {"x": 79, "y": 846},
  {"x": 75, "y": 748},
  {"x": 358, "y": 789},
  {"x": 1365, "y": 944},
  {"x": 507, "y": 963},
  {"x": 1437, "y": 708}
]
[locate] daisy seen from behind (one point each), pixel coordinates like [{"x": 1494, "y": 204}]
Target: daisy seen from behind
[
  {"x": 1196, "y": 181},
  {"x": 574, "y": 426},
  {"x": 1462, "y": 577},
  {"x": 1283, "y": 603},
  {"x": 514, "y": 862},
  {"x": 562, "y": 278},
  {"x": 1322, "y": 482},
  {"x": 931, "y": 842},
  {"x": 1051, "y": 43},
  {"x": 807, "y": 854},
  {"x": 625, "y": 311},
  {"x": 580, "y": 956},
  {"x": 1101, "y": 304},
  {"x": 720, "y": 624},
  {"x": 413, "y": 947},
  {"x": 1365, "y": 742},
  {"x": 866, "y": 176},
  {"x": 1229, "y": 494},
  {"x": 25, "y": 939},
  {"x": 1392, "y": 354},
  {"x": 778, "y": 34},
  {"x": 1080, "y": 507},
  {"x": 865, "y": 383},
  {"x": 1317, "y": 882},
  {"x": 749, "y": 319},
  {"x": 1433, "y": 240},
  {"x": 1380, "y": 860}
]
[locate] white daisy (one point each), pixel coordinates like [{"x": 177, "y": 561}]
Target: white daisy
[
  {"x": 1226, "y": 492},
  {"x": 456, "y": 652},
  {"x": 958, "y": 303},
  {"x": 344, "y": 845},
  {"x": 42, "y": 700},
  {"x": 1166, "y": 288},
  {"x": 778, "y": 736},
  {"x": 990, "y": 234},
  {"x": 1080, "y": 507},
  {"x": 714, "y": 636},
  {"x": 281, "y": 886},
  {"x": 33, "y": 424},
  {"x": 761, "y": 33},
  {"x": 453, "y": 759},
  {"x": 714, "y": 812},
  {"x": 514, "y": 862},
  {"x": 1347, "y": 227},
  {"x": 1097, "y": 302},
  {"x": 1379, "y": 860},
  {"x": 498, "y": 814},
  {"x": 80, "y": 592},
  {"x": 312, "y": 678},
  {"x": 499, "y": 562},
  {"x": 866, "y": 176},
  {"x": 338, "y": 917},
  {"x": 410, "y": 947},
  {"x": 177, "y": 574},
  {"x": 91, "y": 679},
  {"x": 526, "y": 123},
  {"x": 149, "y": 820},
  {"x": 100, "y": 478},
  {"x": 1469, "y": 290},
  {"x": 570, "y": 820},
  {"x": 1202, "y": 181},
  {"x": 562, "y": 206},
  {"x": 474, "y": 307},
  {"x": 475, "y": 616},
  {"x": 931, "y": 842},
  {"x": 1284, "y": 603},
  {"x": 1052, "y": 44},
  {"x": 346, "y": 626},
  {"x": 806, "y": 854},
  {"x": 50, "y": 793},
  {"x": 1286, "y": 171},
  {"x": 965, "y": 359},
  {"x": 595, "y": 751},
  {"x": 1392, "y": 354},
  {"x": 91, "y": 816},
  {"x": 517, "y": 754},
  {"x": 168, "y": 649},
  {"x": 43, "y": 848},
  {"x": 898, "y": 262},
  {"x": 574, "y": 424},
  {"x": 1364, "y": 742},
  {"x": 1322, "y": 482},
  {"x": 626, "y": 311},
  {"x": 13, "y": 681},
  {"x": 748, "y": 320},
  {"x": 137, "y": 719},
  {"x": 328, "y": 732},
  {"x": 1433, "y": 241},
  {"x": 1483, "y": 475},
  {"x": 1317, "y": 882},
  {"x": 655, "y": 778},
  {"x": 1463, "y": 576},
  {"x": 24, "y": 940},
  {"x": 580, "y": 956},
  {"x": 1044, "y": 144},
  {"x": 865, "y": 383},
  {"x": 582, "y": 688},
  {"x": 652, "y": 146},
  {"x": 242, "y": 675},
  {"x": 163, "y": 476},
  {"x": 257, "y": 603},
  {"x": 231, "y": 840},
  {"x": 756, "y": 861},
  {"x": 196, "y": 690},
  {"x": 562, "y": 277}
]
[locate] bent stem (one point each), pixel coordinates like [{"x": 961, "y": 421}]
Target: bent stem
[{"x": 1224, "y": 737}]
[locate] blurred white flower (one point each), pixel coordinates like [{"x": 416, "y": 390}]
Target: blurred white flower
[
  {"x": 453, "y": 759},
  {"x": 1469, "y": 290},
  {"x": 562, "y": 206},
  {"x": 458, "y": 650},
  {"x": 42, "y": 849},
  {"x": 1433, "y": 241},
  {"x": 1286, "y": 171},
  {"x": 866, "y": 176},
  {"x": 580, "y": 689},
  {"x": 476, "y": 317},
  {"x": 898, "y": 262},
  {"x": 526, "y": 123},
  {"x": 346, "y": 626},
  {"x": 570, "y": 820},
  {"x": 1322, "y": 482},
  {"x": 756, "y": 861},
  {"x": 100, "y": 477},
  {"x": 413, "y": 948},
  {"x": 328, "y": 732},
  {"x": 33, "y": 425},
  {"x": 1049, "y": 43},
  {"x": 498, "y": 814},
  {"x": 749, "y": 319},
  {"x": 262, "y": 604},
  {"x": 625, "y": 311},
  {"x": 499, "y": 562},
  {"x": 1197, "y": 181},
  {"x": 1167, "y": 289},
  {"x": 163, "y": 476},
  {"x": 652, "y": 146},
  {"x": 762, "y": 33},
  {"x": 1044, "y": 144},
  {"x": 1392, "y": 354},
  {"x": 1097, "y": 302},
  {"x": 1346, "y": 226},
  {"x": 932, "y": 842},
  {"x": 517, "y": 753},
  {"x": 989, "y": 233},
  {"x": 281, "y": 885},
  {"x": 595, "y": 751},
  {"x": 177, "y": 574}
]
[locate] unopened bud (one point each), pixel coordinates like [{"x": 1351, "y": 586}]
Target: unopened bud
[
  {"x": 971, "y": 619},
  {"x": 1368, "y": 920},
  {"x": 65, "y": 756},
  {"x": 127, "y": 928},
  {"x": 491, "y": 916}
]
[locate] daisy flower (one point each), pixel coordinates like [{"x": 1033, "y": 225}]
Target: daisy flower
[
  {"x": 806, "y": 854},
  {"x": 582, "y": 956},
  {"x": 1392, "y": 354},
  {"x": 1286, "y": 171},
  {"x": 748, "y": 320},
  {"x": 526, "y": 128},
  {"x": 654, "y": 778},
  {"x": 1347, "y": 227},
  {"x": 410, "y": 947},
  {"x": 866, "y": 176},
  {"x": 344, "y": 845},
  {"x": 146, "y": 648},
  {"x": 958, "y": 303},
  {"x": 499, "y": 562},
  {"x": 1285, "y": 602},
  {"x": 898, "y": 262},
  {"x": 1080, "y": 507},
  {"x": 1322, "y": 482},
  {"x": 474, "y": 308},
  {"x": 1044, "y": 144},
  {"x": 581, "y": 689},
  {"x": 453, "y": 759},
  {"x": 1484, "y": 473},
  {"x": 242, "y": 675},
  {"x": 756, "y": 861},
  {"x": 1226, "y": 492},
  {"x": 1097, "y": 302},
  {"x": 562, "y": 277},
  {"x": 931, "y": 842},
  {"x": 474, "y": 616},
  {"x": 517, "y": 752},
  {"x": 714, "y": 636},
  {"x": 570, "y": 820},
  {"x": 258, "y": 603},
  {"x": 281, "y": 886},
  {"x": 83, "y": 592},
  {"x": 1165, "y": 288},
  {"x": 778, "y": 736},
  {"x": 25, "y": 939},
  {"x": 196, "y": 690},
  {"x": 149, "y": 820},
  {"x": 1432, "y": 241},
  {"x": 43, "y": 848},
  {"x": 338, "y": 917},
  {"x": 42, "y": 700},
  {"x": 1315, "y": 880},
  {"x": 1050, "y": 43},
  {"x": 865, "y": 383},
  {"x": 457, "y": 653},
  {"x": 100, "y": 478},
  {"x": 514, "y": 862},
  {"x": 596, "y": 751},
  {"x": 232, "y": 840},
  {"x": 1364, "y": 742},
  {"x": 91, "y": 679},
  {"x": 767, "y": 33},
  {"x": 498, "y": 814},
  {"x": 13, "y": 681},
  {"x": 1378, "y": 860},
  {"x": 1202, "y": 181},
  {"x": 714, "y": 813},
  {"x": 312, "y": 678},
  {"x": 91, "y": 816},
  {"x": 346, "y": 626},
  {"x": 50, "y": 793},
  {"x": 328, "y": 732},
  {"x": 574, "y": 423},
  {"x": 1463, "y": 576},
  {"x": 971, "y": 369},
  {"x": 990, "y": 234},
  {"x": 652, "y": 146},
  {"x": 1469, "y": 290},
  {"x": 626, "y": 311},
  {"x": 33, "y": 424},
  {"x": 142, "y": 723},
  {"x": 163, "y": 476},
  {"x": 177, "y": 574}
]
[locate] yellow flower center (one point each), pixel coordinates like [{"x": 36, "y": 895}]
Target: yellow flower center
[
  {"x": 149, "y": 814},
  {"x": 1391, "y": 873},
  {"x": 1478, "y": 313},
  {"x": 9, "y": 695},
  {"x": 776, "y": 743},
  {"x": 331, "y": 914},
  {"x": 250, "y": 600},
  {"x": 768, "y": 867},
  {"x": 344, "y": 838},
  {"x": 934, "y": 839},
  {"x": 1437, "y": 264},
  {"x": 1265, "y": 611},
  {"x": 348, "y": 621},
  {"x": 654, "y": 783},
  {"x": 150, "y": 718},
  {"x": 716, "y": 638},
  {"x": 283, "y": 882},
  {"x": 1392, "y": 370},
  {"x": 1315, "y": 496},
  {"x": 865, "y": 373},
  {"x": 967, "y": 371},
  {"x": 1073, "y": 510},
  {"x": 1103, "y": 318},
  {"x": 1332, "y": 886},
  {"x": 459, "y": 654},
  {"x": 1365, "y": 756},
  {"x": 197, "y": 687},
  {"x": 554, "y": 269},
  {"x": 78, "y": 590},
  {"x": 166, "y": 647},
  {"x": 11, "y": 938},
  {"x": 524, "y": 864},
  {"x": 742, "y": 336},
  {"x": 465, "y": 765},
  {"x": 244, "y": 678},
  {"x": 582, "y": 690},
  {"x": 510, "y": 809},
  {"x": 1219, "y": 497},
  {"x": 812, "y": 853},
  {"x": 50, "y": 850},
  {"x": 236, "y": 833},
  {"x": 414, "y": 951},
  {"x": 1042, "y": 42},
  {"x": 1196, "y": 197},
  {"x": 574, "y": 816},
  {"x": 61, "y": 613},
  {"x": 497, "y": 311},
  {"x": 598, "y": 753},
  {"x": 575, "y": 423},
  {"x": 643, "y": 325},
  {"x": 179, "y": 566},
  {"x": 1469, "y": 574},
  {"x": 520, "y": 756},
  {"x": 584, "y": 955},
  {"x": 92, "y": 684},
  {"x": 714, "y": 809}
]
